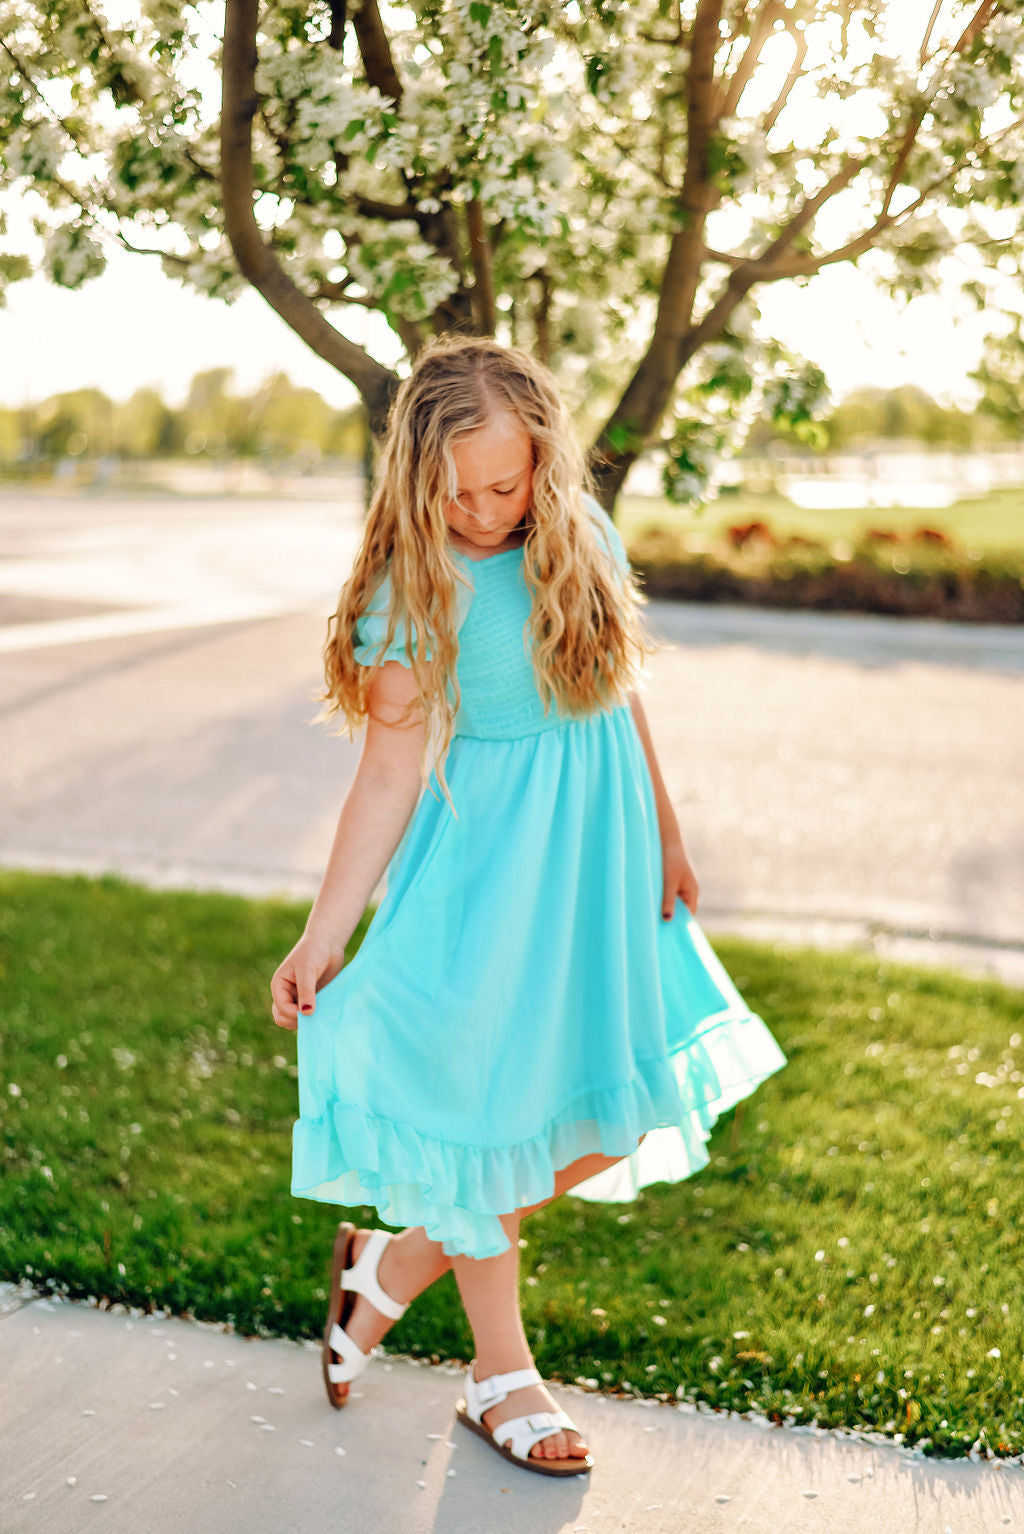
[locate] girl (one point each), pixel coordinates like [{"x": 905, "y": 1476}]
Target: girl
[{"x": 533, "y": 1007}]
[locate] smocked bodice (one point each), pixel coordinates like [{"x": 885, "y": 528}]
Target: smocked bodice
[{"x": 499, "y": 698}]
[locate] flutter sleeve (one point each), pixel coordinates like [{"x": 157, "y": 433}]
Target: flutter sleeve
[
  {"x": 609, "y": 534},
  {"x": 372, "y": 627}
]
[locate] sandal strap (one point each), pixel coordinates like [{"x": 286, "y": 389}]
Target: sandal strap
[
  {"x": 521, "y": 1433},
  {"x": 353, "y": 1359},
  {"x": 361, "y": 1277},
  {"x": 481, "y": 1395}
]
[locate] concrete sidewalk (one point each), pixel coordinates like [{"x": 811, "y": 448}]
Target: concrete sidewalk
[{"x": 144, "y": 1425}]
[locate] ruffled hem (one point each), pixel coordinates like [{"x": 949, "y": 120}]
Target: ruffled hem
[{"x": 352, "y": 1157}]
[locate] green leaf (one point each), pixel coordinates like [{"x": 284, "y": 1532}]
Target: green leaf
[
  {"x": 596, "y": 67},
  {"x": 480, "y": 12}
]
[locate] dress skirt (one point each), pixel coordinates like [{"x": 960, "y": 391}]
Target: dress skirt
[{"x": 518, "y": 1001}]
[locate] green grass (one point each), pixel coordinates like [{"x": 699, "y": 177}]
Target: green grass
[
  {"x": 851, "y": 1255},
  {"x": 990, "y": 523}
]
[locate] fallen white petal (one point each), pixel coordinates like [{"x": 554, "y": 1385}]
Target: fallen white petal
[
  {"x": 72, "y": 1480},
  {"x": 808, "y": 1493},
  {"x": 722, "y": 1497},
  {"x": 307, "y": 1443},
  {"x": 339, "y": 1449},
  {"x": 99, "y": 1496}
]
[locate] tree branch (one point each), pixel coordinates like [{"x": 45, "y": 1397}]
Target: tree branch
[
  {"x": 482, "y": 295},
  {"x": 369, "y": 207},
  {"x": 144, "y": 250},
  {"x": 375, "y": 51},
  {"x": 796, "y": 70},
  {"x": 701, "y": 116},
  {"x": 440, "y": 229},
  {"x": 764, "y": 23},
  {"x": 542, "y": 316},
  {"x": 37, "y": 93},
  {"x": 647, "y": 393},
  {"x": 929, "y": 29},
  {"x": 863, "y": 241},
  {"x": 982, "y": 16},
  {"x": 339, "y": 13},
  {"x": 256, "y": 261}
]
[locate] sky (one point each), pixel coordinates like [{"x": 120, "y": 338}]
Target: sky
[{"x": 134, "y": 326}]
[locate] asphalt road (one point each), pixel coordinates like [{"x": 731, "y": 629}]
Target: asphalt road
[{"x": 838, "y": 778}]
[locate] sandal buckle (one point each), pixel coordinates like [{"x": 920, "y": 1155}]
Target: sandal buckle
[{"x": 487, "y": 1393}]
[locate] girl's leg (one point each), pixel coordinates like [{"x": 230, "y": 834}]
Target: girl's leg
[
  {"x": 412, "y": 1262},
  {"x": 489, "y": 1289}
]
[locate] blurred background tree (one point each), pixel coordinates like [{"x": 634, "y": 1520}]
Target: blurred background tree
[{"x": 278, "y": 422}]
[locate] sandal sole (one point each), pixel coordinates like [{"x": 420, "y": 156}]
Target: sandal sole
[
  {"x": 339, "y": 1308},
  {"x": 563, "y": 1467}
]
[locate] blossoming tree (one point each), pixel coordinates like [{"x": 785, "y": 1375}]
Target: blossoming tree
[{"x": 610, "y": 184}]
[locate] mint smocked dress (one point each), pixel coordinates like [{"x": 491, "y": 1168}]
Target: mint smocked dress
[{"x": 518, "y": 1000}]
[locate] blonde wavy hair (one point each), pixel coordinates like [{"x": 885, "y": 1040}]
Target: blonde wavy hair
[{"x": 588, "y": 637}]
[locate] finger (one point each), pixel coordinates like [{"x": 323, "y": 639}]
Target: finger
[
  {"x": 305, "y": 989},
  {"x": 281, "y": 1019},
  {"x": 282, "y": 989},
  {"x": 668, "y": 903}
]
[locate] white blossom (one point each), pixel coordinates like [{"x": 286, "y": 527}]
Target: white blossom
[{"x": 71, "y": 256}]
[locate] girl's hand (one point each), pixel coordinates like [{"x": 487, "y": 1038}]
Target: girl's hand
[
  {"x": 679, "y": 877},
  {"x": 307, "y": 969}
]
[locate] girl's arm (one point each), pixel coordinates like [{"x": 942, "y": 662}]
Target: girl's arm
[
  {"x": 677, "y": 871},
  {"x": 374, "y": 815}
]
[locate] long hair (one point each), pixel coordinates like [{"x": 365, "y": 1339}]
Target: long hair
[{"x": 588, "y": 639}]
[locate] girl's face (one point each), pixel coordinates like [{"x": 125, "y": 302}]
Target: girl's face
[{"x": 494, "y": 469}]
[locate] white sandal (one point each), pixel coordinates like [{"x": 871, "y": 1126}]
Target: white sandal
[
  {"x": 515, "y": 1438},
  {"x": 343, "y": 1360}
]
